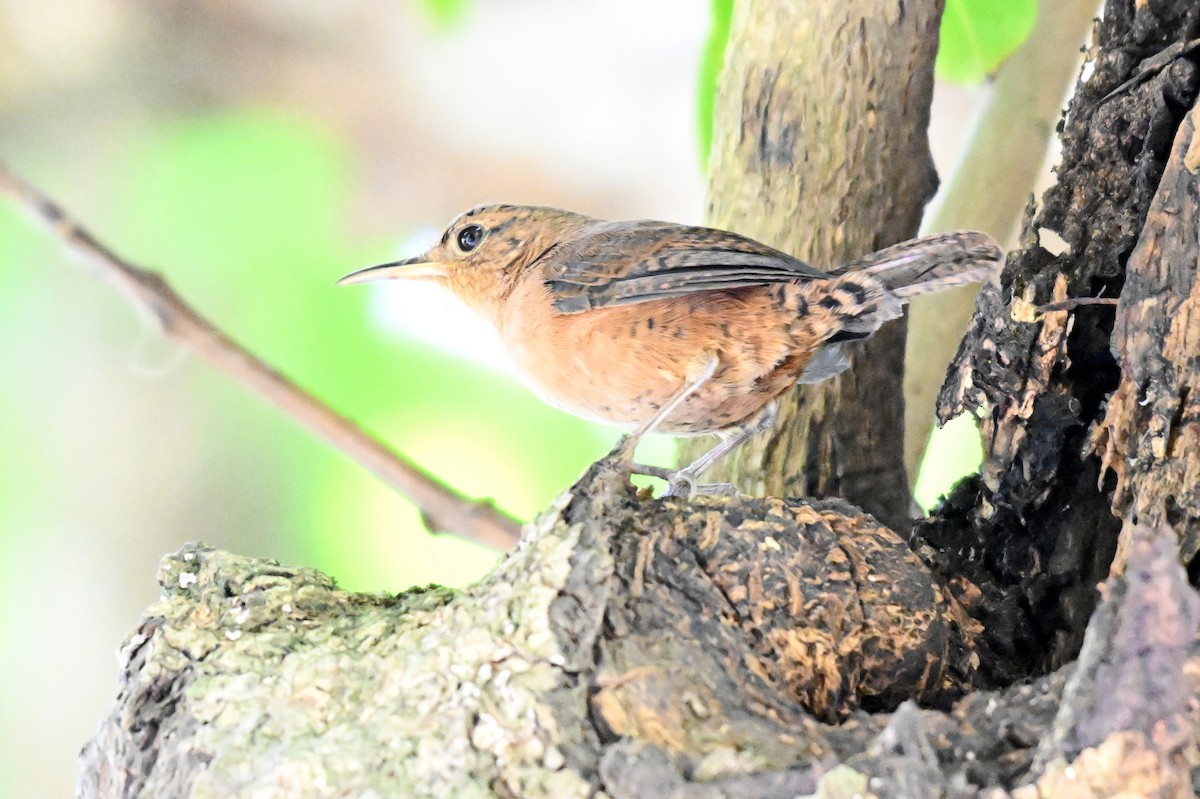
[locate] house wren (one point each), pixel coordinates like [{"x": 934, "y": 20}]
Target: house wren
[{"x": 687, "y": 329}]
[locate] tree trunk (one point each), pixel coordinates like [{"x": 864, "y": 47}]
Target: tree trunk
[
  {"x": 742, "y": 647},
  {"x": 820, "y": 149}
]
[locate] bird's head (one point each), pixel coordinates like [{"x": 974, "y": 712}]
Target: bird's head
[{"x": 483, "y": 252}]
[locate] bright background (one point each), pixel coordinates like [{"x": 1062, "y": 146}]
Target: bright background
[{"x": 255, "y": 152}]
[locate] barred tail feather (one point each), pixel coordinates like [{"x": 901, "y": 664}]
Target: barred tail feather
[{"x": 931, "y": 263}]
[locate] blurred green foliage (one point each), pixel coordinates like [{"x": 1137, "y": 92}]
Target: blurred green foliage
[
  {"x": 954, "y": 452},
  {"x": 243, "y": 209},
  {"x": 711, "y": 61},
  {"x": 977, "y": 35},
  {"x": 25, "y": 493},
  {"x": 445, "y": 14}
]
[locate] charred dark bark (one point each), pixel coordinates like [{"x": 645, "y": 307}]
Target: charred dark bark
[{"x": 1036, "y": 532}]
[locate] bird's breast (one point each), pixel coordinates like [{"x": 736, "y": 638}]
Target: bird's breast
[{"x": 619, "y": 365}]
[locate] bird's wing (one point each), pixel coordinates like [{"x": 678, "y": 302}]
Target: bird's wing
[{"x": 618, "y": 263}]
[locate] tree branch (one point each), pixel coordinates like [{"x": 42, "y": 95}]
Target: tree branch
[{"x": 443, "y": 508}]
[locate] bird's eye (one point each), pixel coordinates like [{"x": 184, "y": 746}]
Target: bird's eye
[{"x": 469, "y": 237}]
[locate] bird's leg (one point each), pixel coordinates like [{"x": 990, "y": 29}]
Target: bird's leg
[
  {"x": 684, "y": 481},
  {"x": 629, "y": 443}
]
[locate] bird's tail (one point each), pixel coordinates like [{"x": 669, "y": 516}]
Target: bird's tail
[{"x": 931, "y": 263}]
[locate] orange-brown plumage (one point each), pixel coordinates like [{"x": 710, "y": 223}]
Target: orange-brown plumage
[{"x": 612, "y": 320}]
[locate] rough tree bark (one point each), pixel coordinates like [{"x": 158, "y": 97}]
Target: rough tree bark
[
  {"x": 989, "y": 191},
  {"x": 820, "y": 149},
  {"x": 740, "y": 647}
]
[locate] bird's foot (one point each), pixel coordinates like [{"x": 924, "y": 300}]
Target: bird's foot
[{"x": 683, "y": 483}]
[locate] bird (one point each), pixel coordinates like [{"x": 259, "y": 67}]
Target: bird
[{"x": 684, "y": 329}]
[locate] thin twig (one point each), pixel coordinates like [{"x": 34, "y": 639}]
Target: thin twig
[
  {"x": 1075, "y": 302},
  {"x": 443, "y": 508}
]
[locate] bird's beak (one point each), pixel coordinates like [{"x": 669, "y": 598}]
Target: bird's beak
[{"x": 410, "y": 269}]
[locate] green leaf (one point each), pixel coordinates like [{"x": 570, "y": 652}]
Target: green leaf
[
  {"x": 446, "y": 14},
  {"x": 977, "y": 35},
  {"x": 710, "y": 70}
]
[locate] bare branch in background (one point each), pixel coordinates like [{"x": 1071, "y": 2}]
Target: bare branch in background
[{"x": 443, "y": 508}]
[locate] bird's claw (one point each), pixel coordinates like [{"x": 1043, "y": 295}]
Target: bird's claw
[
  {"x": 681, "y": 484},
  {"x": 684, "y": 484}
]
